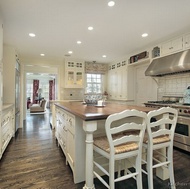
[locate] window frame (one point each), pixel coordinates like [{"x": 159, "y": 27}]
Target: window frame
[{"x": 101, "y": 84}]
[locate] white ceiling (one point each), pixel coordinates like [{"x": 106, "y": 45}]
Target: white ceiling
[{"x": 58, "y": 24}]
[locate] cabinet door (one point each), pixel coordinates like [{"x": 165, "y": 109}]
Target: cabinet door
[
  {"x": 79, "y": 78},
  {"x": 112, "y": 84},
  {"x": 1, "y": 85},
  {"x": 146, "y": 87},
  {"x": 172, "y": 46},
  {"x": 124, "y": 83},
  {"x": 120, "y": 83},
  {"x": 187, "y": 41},
  {"x": 1, "y": 40},
  {"x": 74, "y": 79},
  {"x": 70, "y": 148},
  {"x": 70, "y": 78},
  {"x": 166, "y": 48},
  {"x": 177, "y": 44}
]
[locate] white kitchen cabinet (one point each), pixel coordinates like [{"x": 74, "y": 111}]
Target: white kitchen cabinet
[
  {"x": 9, "y": 80},
  {"x": 1, "y": 83},
  {"x": 61, "y": 129},
  {"x": 120, "y": 81},
  {"x": 1, "y": 86},
  {"x": 1, "y": 40},
  {"x": 186, "y": 41},
  {"x": 112, "y": 82},
  {"x": 71, "y": 149},
  {"x": 146, "y": 87},
  {"x": 1, "y": 64},
  {"x": 172, "y": 46},
  {"x": 71, "y": 139},
  {"x": 74, "y": 74},
  {"x": 7, "y": 127}
]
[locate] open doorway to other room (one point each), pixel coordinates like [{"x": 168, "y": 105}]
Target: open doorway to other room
[{"x": 40, "y": 86}]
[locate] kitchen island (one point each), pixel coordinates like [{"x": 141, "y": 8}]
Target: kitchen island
[{"x": 73, "y": 118}]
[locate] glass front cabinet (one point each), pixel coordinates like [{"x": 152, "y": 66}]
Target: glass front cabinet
[{"x": 74, "y": 75}]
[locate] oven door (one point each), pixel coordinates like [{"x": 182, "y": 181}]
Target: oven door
[{"x": 182, "y": 133}]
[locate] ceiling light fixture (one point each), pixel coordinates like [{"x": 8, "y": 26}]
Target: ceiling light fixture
[
  {"x": 111, "y": 3},
  {"x": 42, "y": 54},
  {"x": 144, "y": 34},
  {"x": 90, "y": 28},
  {"x": 79, "y": 42},
  {"x": 32, "y": 34},
  {"x": 104, "y": 56},
  {"x": 70, "y": 52}
]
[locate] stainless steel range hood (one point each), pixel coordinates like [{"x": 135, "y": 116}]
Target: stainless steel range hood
[{"x": 175, "y": 63}]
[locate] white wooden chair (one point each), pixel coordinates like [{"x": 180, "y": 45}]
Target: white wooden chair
[
  {"x": 158, "y": 142},
  {"x": 123, "y": 140}
]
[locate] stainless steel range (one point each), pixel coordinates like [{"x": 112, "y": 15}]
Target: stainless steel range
[{"x": 182, "y": 131}]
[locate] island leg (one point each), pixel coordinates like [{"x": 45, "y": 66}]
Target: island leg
[{"x": 89, "y": 127}]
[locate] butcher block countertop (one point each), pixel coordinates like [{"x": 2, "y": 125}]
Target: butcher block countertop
[{"x": 91, "y": 112}]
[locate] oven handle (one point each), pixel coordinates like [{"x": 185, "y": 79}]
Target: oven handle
[{"x": 183, "y": 118}]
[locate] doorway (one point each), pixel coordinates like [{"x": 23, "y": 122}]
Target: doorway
[{"x": 40, "y": 86}]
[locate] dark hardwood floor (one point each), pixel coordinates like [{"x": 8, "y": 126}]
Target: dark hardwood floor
[{"x": 33, "y": 160}]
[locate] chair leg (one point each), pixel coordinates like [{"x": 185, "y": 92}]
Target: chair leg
[
  {"x": 170, "y": 167},
  {"x": 149, "y": 168},
  {"x": 139, "y": 170},
  {"x": 111, "y": 173}
]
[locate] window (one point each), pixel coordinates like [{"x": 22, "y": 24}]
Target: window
[{"x": 94, "y": 83}]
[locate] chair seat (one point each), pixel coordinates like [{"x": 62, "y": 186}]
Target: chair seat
[
  {"x": 156, "y": 140},
  {"x": 102, "y": 143}
]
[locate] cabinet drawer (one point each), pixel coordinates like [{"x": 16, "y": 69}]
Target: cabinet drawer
[
  {"x": 5, "y": 129},
  {"x": 5, "y": 140},
  {"x": 63, "y": 132},
  {"x": 71, "y": 124},
  {"x": 62, "y": 142},
  {"x": 6, "y": 119}
]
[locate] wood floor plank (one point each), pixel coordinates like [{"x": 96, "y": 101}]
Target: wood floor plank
[{"x": 33, "y": 160}]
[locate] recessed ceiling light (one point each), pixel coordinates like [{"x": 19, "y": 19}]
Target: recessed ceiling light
[
  {"x": 104, "y": 56},
  {"x": 111, "y": 3},
  {"x": 144, "y": 34},
  {"x": 32, "y": 34},
  {"x": 79, "y": 42},
  {"x": 70, "y": 52},
  {"x": 90, "y": 28},
  {"x": 42, "y": 54}
]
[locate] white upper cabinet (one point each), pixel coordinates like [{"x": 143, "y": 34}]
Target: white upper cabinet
[
  {"x": 186, "y": 41},
  {"x": 74, "y": 74},
  {"x": 172, "y": 46},
  {"x": 120, "y": 81}
]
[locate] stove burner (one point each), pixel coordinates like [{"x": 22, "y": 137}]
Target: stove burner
[{"x": 186, "y": 104}]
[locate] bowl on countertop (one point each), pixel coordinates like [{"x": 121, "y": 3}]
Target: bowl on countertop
[{"x": 92, "y": 98}]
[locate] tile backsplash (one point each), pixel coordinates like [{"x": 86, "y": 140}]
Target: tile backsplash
[
  {"x": 173, "y": 85},
  {"x": 73, "y": 94}
]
